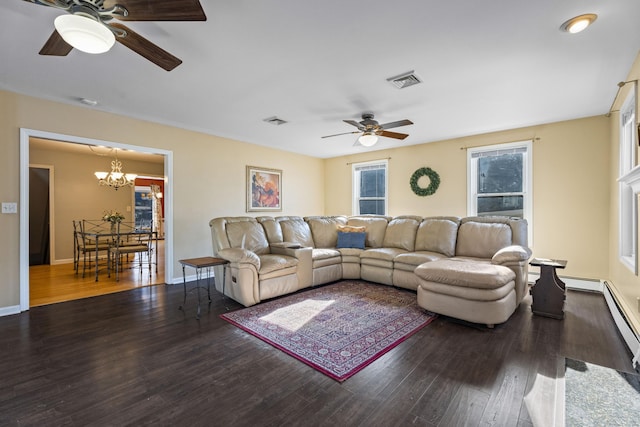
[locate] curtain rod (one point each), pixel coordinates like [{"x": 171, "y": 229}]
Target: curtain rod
[
  {"x": 366, "y": 161},
  {"x": 535, "y": 138}
]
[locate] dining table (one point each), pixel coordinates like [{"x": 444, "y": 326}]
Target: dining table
[{"x": 105, "y": 231}]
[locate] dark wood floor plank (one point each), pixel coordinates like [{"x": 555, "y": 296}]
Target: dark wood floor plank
[{"x": 133, "y": 358}]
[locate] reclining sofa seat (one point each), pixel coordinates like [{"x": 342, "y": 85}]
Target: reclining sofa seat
[
  {"x": 387, "y": 238},
  {"x": 257, "y": 270},
  {"x": 326, "y": 261}
]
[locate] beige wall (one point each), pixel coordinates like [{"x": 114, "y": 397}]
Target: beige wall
[
  {"x": 76, "y": 193},
  {"x": 626, "y": 284},
  {"x": 574, "y": 181},
  {"x": 570, "y": 187},
  {"x": 209, "y": 173}
]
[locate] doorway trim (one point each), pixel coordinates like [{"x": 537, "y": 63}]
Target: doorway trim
[{"x": 25, "y": 135}]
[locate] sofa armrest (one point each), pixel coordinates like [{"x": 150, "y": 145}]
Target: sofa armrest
[
  {"x": 289, "y": 248},
  {"x": 511, "y": 254},
  {"x": 304, "y": 257},
  {"x": 240, "y": 256}
]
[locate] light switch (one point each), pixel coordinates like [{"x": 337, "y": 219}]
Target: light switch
[{"x": 9, "y": 207}]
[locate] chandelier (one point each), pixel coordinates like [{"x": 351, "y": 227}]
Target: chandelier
[{"x": 116, "y": 178}]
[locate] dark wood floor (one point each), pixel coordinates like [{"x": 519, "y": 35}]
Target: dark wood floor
[{"x": 133, "y": 358}]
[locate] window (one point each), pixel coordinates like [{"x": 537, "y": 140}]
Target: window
[
  {"x": 370, "y": 188},
  {"x": 143, "y": 208},
  {"x": 499, "y": 181},
  {"x": 628, "y": 202}
]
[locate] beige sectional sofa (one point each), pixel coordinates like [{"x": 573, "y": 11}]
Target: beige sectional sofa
[{"x": 471, "y": 268}]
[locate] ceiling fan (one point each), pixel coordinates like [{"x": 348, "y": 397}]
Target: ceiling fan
[
  {"x": 92, "y": 20},
  {"x": 371, "y": 129}
]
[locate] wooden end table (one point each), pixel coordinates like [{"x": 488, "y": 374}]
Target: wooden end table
[
  {"x": 200, "y": 264},
  {"x": 549, "y": 291}
]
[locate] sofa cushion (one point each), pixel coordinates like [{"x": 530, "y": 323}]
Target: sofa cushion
[
  {"x": 401, "y": 233},
  {"x": 466, "y": 274},
  {"x": 414, "y": 259},
  {"x": 324, "y": 256},
  {"x": 385, "y": 254},
  {"x": 271, "y": 228},
  {"x": 247, "y": 235},
  {"x": 271, "y": 263},
  {"x": 324, "y": 230},
  {"x": 482, "y": 240},
  {"x": 437, "y": 235},
  {"x": 350, "y": 240},
  {"x": 296, "y": 230},
  {"x": 375, "y": 226}
]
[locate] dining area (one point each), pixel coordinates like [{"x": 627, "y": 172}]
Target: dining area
[
  {"x": 93, "y": 272},
  {"x": 82, "y": 252},
  {"x": 110, "y": 245}
]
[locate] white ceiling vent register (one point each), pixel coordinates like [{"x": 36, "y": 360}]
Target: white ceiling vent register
[
  {"x": 275, "y": 121},
  {"x": 405, "y": 80}
]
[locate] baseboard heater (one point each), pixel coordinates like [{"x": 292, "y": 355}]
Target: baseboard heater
[{"x": 629, "y": 336}]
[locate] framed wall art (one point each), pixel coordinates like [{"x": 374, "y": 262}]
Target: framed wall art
[{"x": 264, "y": 189}]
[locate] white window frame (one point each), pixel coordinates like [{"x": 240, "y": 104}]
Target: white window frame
[
  {"x": 355, "y": 173},
  {"x": 628, "y": 201},
  {"x": 527, "y": 178}
]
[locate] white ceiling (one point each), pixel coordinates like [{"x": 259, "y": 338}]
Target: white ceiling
[{"x": 486, "y": 65}]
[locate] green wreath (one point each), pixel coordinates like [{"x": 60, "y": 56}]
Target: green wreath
[{"x": 433, "y": 186}]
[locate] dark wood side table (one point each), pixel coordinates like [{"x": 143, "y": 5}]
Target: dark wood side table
[
  {"x": 549, "y": 291},
  {"x": 203, "y": 263}
]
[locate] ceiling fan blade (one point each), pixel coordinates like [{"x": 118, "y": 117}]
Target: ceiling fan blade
[
  {"x": 159, "y": 10},
  {"x": 338, "y": 134},
  {"x": 144, "y": 47},
  {"x": 354, "y": 123},
  {"x": 395, "y": 135},
  {"x": 56, "y": 46},
  {"x": 396, "y": 124},
  {"x": 52, "y": 3}
]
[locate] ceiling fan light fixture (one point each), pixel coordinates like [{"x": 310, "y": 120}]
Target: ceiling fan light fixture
[
  {"x": 368, "y": 139},
  {"x": 84, "y": 33},
  {"x": 578, "y": 23}
]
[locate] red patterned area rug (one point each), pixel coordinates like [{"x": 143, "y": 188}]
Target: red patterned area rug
[{"x": 337, "y": 329}]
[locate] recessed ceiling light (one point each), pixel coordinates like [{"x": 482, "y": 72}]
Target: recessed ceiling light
[
  {"x": 579, "y": 23},
  {"x": 89, "y": 102}
]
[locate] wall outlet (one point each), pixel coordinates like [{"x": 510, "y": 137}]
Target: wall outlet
[{"x": 9, "y": 207}]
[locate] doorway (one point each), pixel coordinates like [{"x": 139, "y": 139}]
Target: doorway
[
  {"x": 25, "y": 203},
  {"x": 40, "y": 180}
]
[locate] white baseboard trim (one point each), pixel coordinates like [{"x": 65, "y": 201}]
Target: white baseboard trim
[
  {"x": 590, "y": 285},
  {"x": 190, "y": 278},
  {"x": 10, "y": 310},
  {"x": 630, "y": 338}
]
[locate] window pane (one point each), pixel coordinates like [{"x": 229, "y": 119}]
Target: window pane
[
  {"x": 501, "y": 205},
  {"x": 372, "y": 183},
  {"x": 143, "y": 209},
  {"x": 372, "y": 207},
  {"x": 500, "y": 174}
]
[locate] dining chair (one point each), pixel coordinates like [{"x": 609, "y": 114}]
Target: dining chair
[
  {"x": 130, "y": 241},
  {"x": 86, "y": 247},
  {"x": 76, "y": 245}
]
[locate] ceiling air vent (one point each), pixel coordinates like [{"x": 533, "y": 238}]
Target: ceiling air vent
[
  {"x": 275, "y": 121},
  {"x": 405, "y": 80}
]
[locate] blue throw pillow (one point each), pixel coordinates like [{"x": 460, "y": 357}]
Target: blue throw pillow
[{"x": 351, "y": 240}]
